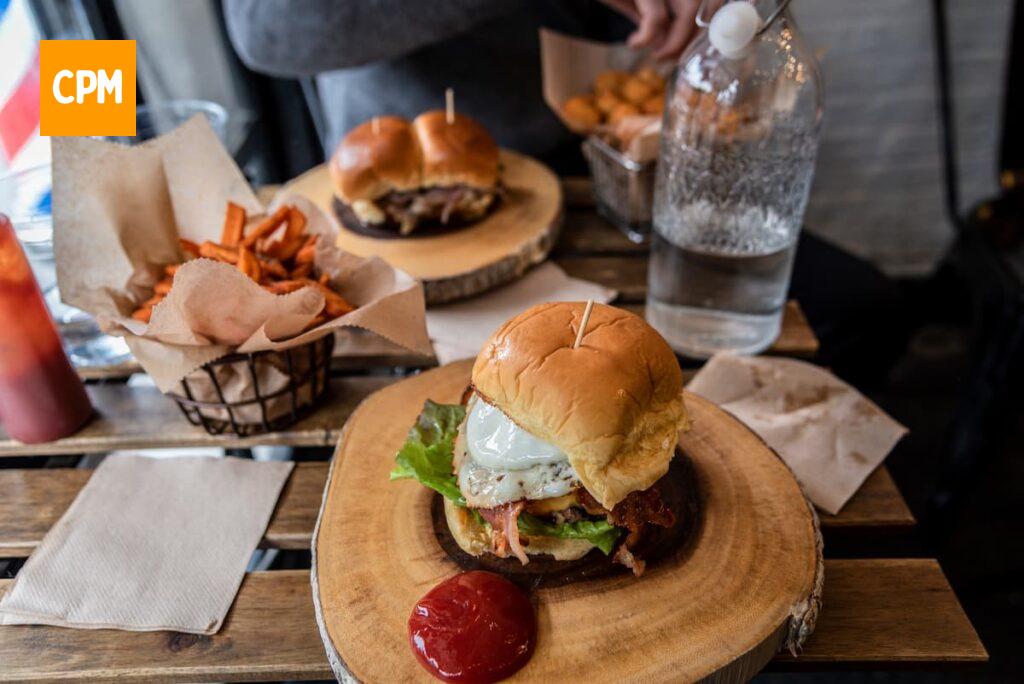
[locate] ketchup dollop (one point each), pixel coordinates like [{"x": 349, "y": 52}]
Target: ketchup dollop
[{"x": 474, "y": 627}]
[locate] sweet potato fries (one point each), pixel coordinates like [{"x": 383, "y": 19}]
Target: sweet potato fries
[{"x": 276, "y": 252}]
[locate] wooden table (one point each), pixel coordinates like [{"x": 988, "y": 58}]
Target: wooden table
[{"x": 879, "y": 613}]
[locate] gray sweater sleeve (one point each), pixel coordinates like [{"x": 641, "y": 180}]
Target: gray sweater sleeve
[{"x": 306, "y": 37}]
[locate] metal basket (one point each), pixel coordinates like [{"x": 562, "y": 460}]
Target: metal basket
[
  {"x": 623, "y": 188},
  {"x": 303, "y": 370}
]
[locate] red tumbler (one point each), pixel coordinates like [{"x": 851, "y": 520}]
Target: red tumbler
[{"x": 41, "y": 396}]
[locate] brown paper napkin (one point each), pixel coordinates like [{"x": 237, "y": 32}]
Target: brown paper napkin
[
  {"x": 149, "y": 544},
  {"x": 829, "y": 434},
  {"x": 459, "y": 330}
]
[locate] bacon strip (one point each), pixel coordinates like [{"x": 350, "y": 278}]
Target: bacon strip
[
  {"x": 623, "y": 556},
  {"x": 635, "y": 512},
  {"x": 504, "y": 520}
]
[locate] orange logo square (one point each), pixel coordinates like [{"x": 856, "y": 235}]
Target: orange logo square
[{"x": 87, "y": 87}]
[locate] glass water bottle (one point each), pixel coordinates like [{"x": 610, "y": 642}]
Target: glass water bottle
[{"x": 738, "y": 146}]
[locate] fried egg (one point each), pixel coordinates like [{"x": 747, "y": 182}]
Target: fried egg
[{"x": 498, "y": 462}]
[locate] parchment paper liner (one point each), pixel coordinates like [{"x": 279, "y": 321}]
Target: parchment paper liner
[
  {"x": 569, "y": 67},
  {"x": 118, "y": 212}
]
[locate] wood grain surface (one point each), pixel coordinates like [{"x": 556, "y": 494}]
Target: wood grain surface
[
  {"x": 375, "y": 553},
  {"x": 877, "y": 614},
  {"x": 32, "y": 500},
  {"x": 140, "y": 417},
  {"x": 925, "y": 624},
  {"x": 876, "y": 506},
  {"x": 269, "y": 634},
  {"x": 519, "y": 233}
]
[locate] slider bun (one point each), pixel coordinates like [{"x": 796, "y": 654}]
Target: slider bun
[
  {"x": 402, "y": 156},
  {"x": 367, "y": 166},
  {"x": 457, "y": 152},
  {"x": 474, "y": 539},
  {"x": 581, "y": 114},
  {"x": 614, "y": 405}
]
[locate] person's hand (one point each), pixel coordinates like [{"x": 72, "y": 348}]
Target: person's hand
[{"x": 665, "y": 26}]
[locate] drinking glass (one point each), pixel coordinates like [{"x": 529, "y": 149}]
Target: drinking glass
[{"x": 25, "y": 196}]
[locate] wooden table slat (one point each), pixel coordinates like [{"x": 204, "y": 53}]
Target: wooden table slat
[
  {"x": 877, "y": 504},
  {"x": 886, "y": 613},
  {"x": 589, "y": 234},
  {"x": 141, "y": 418},
  {"x": 627, "y": 276},
  {"x": 271, "y": 633},
  {"x": 32, "y": 500}
]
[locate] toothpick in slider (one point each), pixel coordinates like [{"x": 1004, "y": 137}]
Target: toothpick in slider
[
  {"x": 449, "y": 105},
  {"x": 583, "y": 324},
  {"x": 375, "y": 125}
]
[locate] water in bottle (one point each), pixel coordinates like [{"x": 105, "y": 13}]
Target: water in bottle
[{"x": 737, "y": 157}]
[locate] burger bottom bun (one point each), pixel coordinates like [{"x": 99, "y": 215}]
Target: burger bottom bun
[{"x": 475, "y": 539}]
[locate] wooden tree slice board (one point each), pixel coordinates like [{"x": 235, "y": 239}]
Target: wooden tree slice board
[
  {"x": 518, "y": 234},
  {"x": 746, "y": 584}
]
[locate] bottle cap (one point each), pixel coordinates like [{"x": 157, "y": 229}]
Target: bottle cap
[{"x": 733, "y": 27}]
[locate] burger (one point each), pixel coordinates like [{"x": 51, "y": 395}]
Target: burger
[
  {"x": 556, "y": 449},
  {"x": 394, "y": 175}
]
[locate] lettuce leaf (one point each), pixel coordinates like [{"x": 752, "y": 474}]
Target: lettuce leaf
[
  {"x": 600, "y": 533},
  {"x": 426, "y": 457},
  {"x": 427, "y": 453}
]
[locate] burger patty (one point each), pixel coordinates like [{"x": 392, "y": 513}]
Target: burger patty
[{"x": 446, "y": 204}]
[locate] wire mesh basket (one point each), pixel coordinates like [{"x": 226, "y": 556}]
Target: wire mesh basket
[
  {"x": 623, "y": 188},
  {"x": 253, "y": 393}
]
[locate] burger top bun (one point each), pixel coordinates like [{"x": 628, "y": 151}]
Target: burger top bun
[
  {"x": 392, "y": 154},
  {"x": 376, "y": 158},
  {"x": 461, "y": 152},
  {"x": 613, "y": 405}
]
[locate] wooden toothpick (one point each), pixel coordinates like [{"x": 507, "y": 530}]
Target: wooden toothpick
[
  {"x": 583, "y": 324},
  {"x": 375, "y": 125},
  {"x": 449, "y": 105}
]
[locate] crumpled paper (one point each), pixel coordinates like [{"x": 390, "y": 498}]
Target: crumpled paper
[
  {"x": 829, "y": 434},
  {"x": 569, "y": 67},
  {"x": 118, "y": 212},
  {"x": 459, "y": 330}
]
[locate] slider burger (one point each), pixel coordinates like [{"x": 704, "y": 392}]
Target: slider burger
[
  {"x": 392, "y": 174},
  {"x": 556, "y": 450}
]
